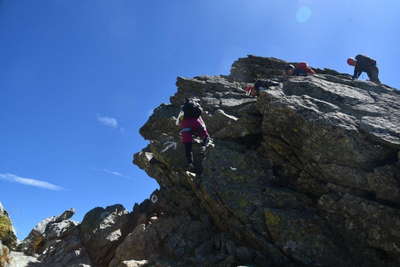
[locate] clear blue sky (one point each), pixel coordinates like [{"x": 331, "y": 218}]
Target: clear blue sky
[{"x": 79, "y": 77}]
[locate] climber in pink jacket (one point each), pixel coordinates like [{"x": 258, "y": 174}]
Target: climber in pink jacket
[{"x": 192, "y": 125}]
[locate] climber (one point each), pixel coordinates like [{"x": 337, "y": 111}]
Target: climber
[
  {"x": 250, "y": 90},
  {"x": 192, "y": 125},
  {"x": 364, "y": 64},
  {"x": 301, "y": 69},
  {"x": 262, "y": 85}
]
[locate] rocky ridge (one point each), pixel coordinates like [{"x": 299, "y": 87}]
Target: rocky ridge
[{"x": 306, "y": 174}]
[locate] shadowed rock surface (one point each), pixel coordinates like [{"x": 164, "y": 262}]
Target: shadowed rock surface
[{"x": 306, "y": 174}]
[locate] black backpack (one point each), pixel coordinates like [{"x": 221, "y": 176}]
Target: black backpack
[
  {"x": 191, "y": 109},
  {"x": 365, "y": 61}
]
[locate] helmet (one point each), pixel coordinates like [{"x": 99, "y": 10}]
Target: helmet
[{"x": 351, "y": 61}]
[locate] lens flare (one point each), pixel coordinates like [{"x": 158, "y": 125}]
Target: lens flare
[{"x": 303, "y": 14}]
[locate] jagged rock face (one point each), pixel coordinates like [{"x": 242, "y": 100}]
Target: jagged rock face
[
  {"x": 46, "y": 232},
  {"x": 54, "y": 242},
  {"x": 305, "y": 174},
  {"x": 7, "y": 233},
  {"x": 329, "y": 134},
  {"x": 251, "y": 68},
  {"x": 67, "y": 251},
  {"x": 102, "y": 230},
  {"x": 176, "y": 233}
]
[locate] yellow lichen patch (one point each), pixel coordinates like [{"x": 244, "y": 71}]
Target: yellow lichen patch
[
  {"x": 271, "y": 219},
  {"x": 5, "y": 227}
]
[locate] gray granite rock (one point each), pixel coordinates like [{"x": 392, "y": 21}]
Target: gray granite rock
[
  {"x": 276, "y": 155},
  {"x": 305, "y": 174}
]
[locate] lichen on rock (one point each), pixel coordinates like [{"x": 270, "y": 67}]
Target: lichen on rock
[{"x": 7, "y": 233}]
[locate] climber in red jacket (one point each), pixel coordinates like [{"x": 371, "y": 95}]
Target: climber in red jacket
[{"x": 301, "y": 69}]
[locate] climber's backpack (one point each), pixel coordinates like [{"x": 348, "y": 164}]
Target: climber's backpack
[
  {"x": 191, "y": 109},
  {"x": 366, "y": 61}
]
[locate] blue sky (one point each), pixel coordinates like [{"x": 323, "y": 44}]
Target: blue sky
[{"x": 79, "y": 77}]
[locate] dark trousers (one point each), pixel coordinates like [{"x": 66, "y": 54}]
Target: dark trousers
[
  {"x": 373, "y": 73},
  {"x": 188, "y": 149},
  {"x": 188, "y": 152}
]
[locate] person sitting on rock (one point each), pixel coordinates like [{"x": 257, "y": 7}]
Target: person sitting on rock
[
  {"x": 364, "y": 64},
  {"x": 192, "y": 125},
  {"x": 301, "y": 69}
]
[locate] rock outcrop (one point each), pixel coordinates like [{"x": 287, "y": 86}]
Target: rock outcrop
[
  {"x": 8, "y": 242},
  {"x": 7, "y": 232},
  {"x": 4, "y": 255},
  {"x": 54, "y": 242},
  {"x": 306, "y": 174},
  {"x": 47, "y": 232},
  {"x": 102, "y": 230}
]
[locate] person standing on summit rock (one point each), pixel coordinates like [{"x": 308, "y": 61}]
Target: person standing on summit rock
[{"x": 364, "y": 64}]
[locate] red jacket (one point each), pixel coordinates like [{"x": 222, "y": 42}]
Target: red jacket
[{"x": 305, "y": 68}]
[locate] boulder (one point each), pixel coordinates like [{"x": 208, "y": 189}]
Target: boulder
[
  {"x": 102, "y": 230},
  {"x": 46, "y": 232},
  {"x": 68, "y": 250},
  {"x": 4, "y": 255}
]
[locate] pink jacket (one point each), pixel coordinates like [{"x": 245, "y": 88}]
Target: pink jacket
[{"x": 192, "y": 126}]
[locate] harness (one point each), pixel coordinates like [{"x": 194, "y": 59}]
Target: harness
[{"x": 185, "y": 130}]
